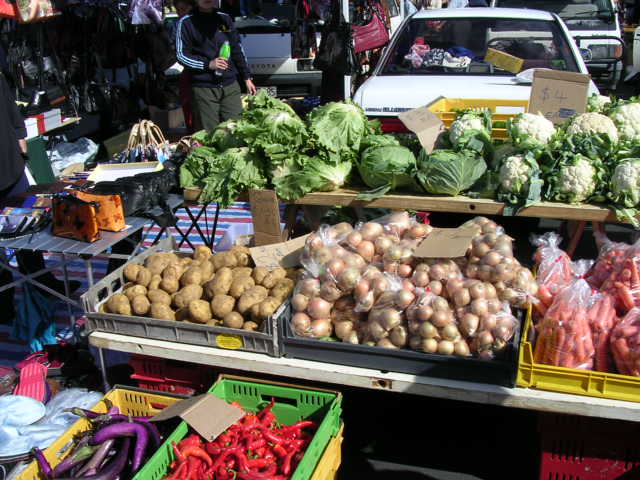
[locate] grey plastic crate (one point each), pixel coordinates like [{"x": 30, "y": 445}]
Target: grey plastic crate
[{"x": 263, "y": 341}]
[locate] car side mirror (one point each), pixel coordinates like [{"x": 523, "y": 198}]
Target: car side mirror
[{"x": 586, "y": 54}]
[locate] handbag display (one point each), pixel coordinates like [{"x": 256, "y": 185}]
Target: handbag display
[
  {"x": 110, "y": 215},
  {"x": 336, "y": 53},
  {"x": 372, "y": 35},
  {"x": 74, "y": 218},
  {"x": 146, "y": 144}
]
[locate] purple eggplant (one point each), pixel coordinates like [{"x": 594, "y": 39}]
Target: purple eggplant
[
  {"x": 94, "y": 415},
  {"x": 114, "y": 467},
  {"x": 154, "y": 434},
  {"x": 125, "y": 429},
  {"x": 98, "y": 457},
  {"x": 73, "y": 459},
  {"x": 43, "y": 462}
]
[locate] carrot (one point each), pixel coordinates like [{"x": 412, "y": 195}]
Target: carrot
[
  {"x": 541, "y": 309},
  {"x": 620, "y": 347},
  {"x": 625, "y": 296},
  {"x": 635, "y": 277},
  {"x": 557, "y": 343},
  {"x": 544, "y": 295},
  {"x": 540, "y": 350}
]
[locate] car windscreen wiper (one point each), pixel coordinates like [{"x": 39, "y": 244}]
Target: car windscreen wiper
[{"x": 600, "y": 14}]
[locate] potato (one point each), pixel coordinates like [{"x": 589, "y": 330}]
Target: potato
[
  {"x": 140, "y": 305},
  {"x": 192, "y": 276},
  {"x": 202, "y": 252},
  {"x": 161, "y": 312},
  {"x": 250, "y": 298},
  {"x": 156, "y": 263},
  {"x": 159, "y": 296},
  {"x": 184, "y": 261},
  {"x": 214, "y": 322},
  {"x": 221, "y": 283},
  {"x": 241, "y": 272},
  {"x": 119, "y": 304},
  {"x": 270, "y": 280},
  {"x": 233, "y": 320},
  {"x": 241, "y": 285},
  {"x": 222, "y": 305},
  {"x": 131, "y": 271},
  {"x": 240, "y": 249},
  {"x": 199, "y": 311},
  {"x": 282, "y": 289},
  {"x": 268, "y": 307},
  {"x": 251, "y": 326},
  {"x": 224, "y": 259},
  {"x": 188, "y": 294},
  {"x": 242, "y": 254},
  {"x": 170, "y": 285},
  {"x": 254, "y": 312},
  {"x": 173, "y": 271},
  {"x": 133, "y": 292},
  {"x": 206, "y": 271},
  {"x": 144, "y": 277},
  {"x": 154, "y": 284},
  {"x": 182, "y": 314},
  {"x": 259, "y": 273}
]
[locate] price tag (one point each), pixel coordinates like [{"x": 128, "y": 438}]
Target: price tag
[
  {"x": 425, "y": 124},
  {"x": 265, "y": 213},
  {"x": 283, "y": 254},
  {"x": 558, "y": 95},
  {"x": 229, "y": 342},
  {"x": 503, "y": 60}
]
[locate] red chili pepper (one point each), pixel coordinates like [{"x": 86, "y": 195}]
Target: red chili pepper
[
  {"x": 254, "y": 463},
  {"x": 299, "y": 426},
  {"x": 192, "y": 466},
  {"x": 179, "y": 455},
  {"x": 212, "y": 449},
  {"x": 177, "y": 474},
  {"x": 197, "y": 452},
  {"x": 255, "y": 444},
  {"x": 286, "y": 463},
  {"x": 267, "y": 474},
  {"x": 260, "y": 451},
  {"x": 279, "y": 450},
  {"x": 271, "y": 437},
  {"x": 231, "y": 464},
  {"x": 268, "y": 454},
  {"x": 192, "y": 439}
]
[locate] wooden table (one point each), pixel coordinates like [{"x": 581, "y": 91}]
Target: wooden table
[{"x": 370, "y": 379}]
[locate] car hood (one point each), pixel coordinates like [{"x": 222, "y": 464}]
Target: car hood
[{"x": 390, "y": 95}]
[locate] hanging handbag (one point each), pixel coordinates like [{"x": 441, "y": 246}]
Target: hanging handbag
[
  {"x": 146, "y": 144},
  {"x": 110, "y": 214},
  {"x": 372, "y": 35},
  {"x": 74, "y": 218},
  {"x": 335, "y": 53}
]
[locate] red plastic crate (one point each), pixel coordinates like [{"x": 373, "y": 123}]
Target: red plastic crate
[
  {"x": 583, "y": 448},
  {"x": 170, "y": 376}
]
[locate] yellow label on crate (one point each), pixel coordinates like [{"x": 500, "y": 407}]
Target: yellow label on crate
[
  {"x": 504, "y": 60},
  {"x": 230, "y": 342}
]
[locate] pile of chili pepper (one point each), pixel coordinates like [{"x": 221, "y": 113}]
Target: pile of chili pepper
[{"x": 256, "y": 447}]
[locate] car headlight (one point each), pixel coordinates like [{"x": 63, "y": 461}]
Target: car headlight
[{"x": 605, "y": 51}]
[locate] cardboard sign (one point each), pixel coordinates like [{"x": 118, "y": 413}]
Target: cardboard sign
[
  {"x": 283, "y": 254},
  {"x": 265, "y": 212},
  {"x": 558, "y": 95},
  {"x": 504, "y": 60},
  {"x": 207, "y": 414},
  {"x": 446, "y": 242},
  {"x": 425, "y": 124}
]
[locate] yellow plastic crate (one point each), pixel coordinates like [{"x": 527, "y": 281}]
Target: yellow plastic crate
[
  {"x": 501, "y": 110},
  {"x": 571, "y": 380},
  {"x": 129, "y": 402},
  {"x": 329, "y": 463}
]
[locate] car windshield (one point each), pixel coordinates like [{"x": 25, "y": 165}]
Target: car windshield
[
  {"x": 457, "y": 46},
  {"x": 577, "y": 14}
]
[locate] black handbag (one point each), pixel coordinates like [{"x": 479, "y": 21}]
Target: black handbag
[{"x": 336, "y": 52}]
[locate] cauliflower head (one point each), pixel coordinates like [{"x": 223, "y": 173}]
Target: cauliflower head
[
  {"x": 466, "y": 122},
  {"x": 590, "y": 123},
  {"x": 627, "y": 118},
  {"x": 514, "y": 173},
  {"x": 624, "y": 186},
  {"x": 576, "y": 180},
  {"x": 531, "y": 127},
  {"x": 597, "y": 103}
]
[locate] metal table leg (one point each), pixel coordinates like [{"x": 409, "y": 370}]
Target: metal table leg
[
  {"x": 67, "y": 292},
  {"x": 103, "y": 371},
  {"x": 212, "y": 239}
]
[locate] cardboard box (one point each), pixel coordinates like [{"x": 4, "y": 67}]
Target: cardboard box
[
  {"x": 31, "y": 124},
  {"x": 167, "y": 119},
  {"x": 48, "y": 120},
  {"x": 558, "y": 95}
]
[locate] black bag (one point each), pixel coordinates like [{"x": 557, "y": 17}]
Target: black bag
[{"x": 336, "y": 47}]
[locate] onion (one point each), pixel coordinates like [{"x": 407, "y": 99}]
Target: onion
[
  {"x": 361, "y": 290},
  {"x": 385, "y": 343},
  {"x": 376, "y": 331},
  {"x": 344, "y": 304},
  {"x": 343, "y": 329},
  {"x": 490, "y": 291},
  {"x": 365, "y": 250},
  {"x": 430, "y": 345},
  {"x": 469, "y": 324},
  {"x": 437, "y": 272},
  {"x": 422, "y": 267},
  {"x": 382, "y": 244},
  {"x": 380, "y": 285},
  {"x": 441, "y": 304},
  {"x": 349, "y": 278},
  {"x": 322, "y": 255},
  {"x": 462, "y": 297},
  {"x": 399, "y": 223},
  {"x": 484, "y": 272},
  {"x": 394, "y": 254},
  {"x": 479, "y": 307},
  {"x": 407, "y": 255},
  {"x": 330, "y": 291},
  {"x": 390, "y": 318},
  {"x": 427, "y": 330},
  {"x": 420, "y": 278},
  {"x": 376, "y": 260},
  {"x": 478, "y": 290},
  {"x": 310, "y": 287},
  {"x": 404, "y": 298},
  {"x": 335, "y": 267},
  {"x": 342, "y": 229},
  {"x": 501, "y": 333},
  {"x": 441, "y": 318},
  {"x": 319, "y": 308},
  {"x": 461, "y": 348},
  {"x": 492, "y": 258},
  {"x": 399, "y": 336},
  {"x": 494, "y": 305},
  {"x": 366, "y": 303},
  {"x": 354, "y": 239},
  {"x": 481, "y": 249},
  {"x": 490, "y": 239},
  {"x": 424, "y": 313},
  {"x": 314, "y": 241},
  {"x": 435, "y": 287},
  {"x": 454, "y": 285},
  {"x": 407, "y": 285},
  {"x": 301, "y": 324},
  {"x": 445, "y": 347},
  {"x": 413, "y": 325},
  {"x": 485, "y": 339},
  {"x": 404, "y": 270},
  {"x": 299, "y": 302},
  {"x": 352, "y": 338},
  {"x": 418, "y": 231},
  {"x": 321, "y": 328},
  {"x": 472, "y": 271},
  {"x": 391, "y": 267},
  {"x": 371, "y": 230},
  {"x": 415, "y": 343},
  {"x": 450, "y": 332}
]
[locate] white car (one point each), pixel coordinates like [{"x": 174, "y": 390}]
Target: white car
[{"x": 440, "y": 53}]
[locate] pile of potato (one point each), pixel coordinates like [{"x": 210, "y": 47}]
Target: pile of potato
[{"x": 221, "y": 289}]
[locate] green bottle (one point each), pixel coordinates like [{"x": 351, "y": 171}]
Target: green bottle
[{"x": 225, "y": 52}]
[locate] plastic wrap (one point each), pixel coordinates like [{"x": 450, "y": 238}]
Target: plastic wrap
[
  {"x": 611, "y": 255},
  {"x": 386, "y": 324},
  {"x": 602, "y": 319},
  {"x": 494, "y": 332},
  {"x": 554, "y": 266},
  {"x": 625, "y": 343},
  {"x": 565, "y": 338},
  {"x": 624, "y": 281}
]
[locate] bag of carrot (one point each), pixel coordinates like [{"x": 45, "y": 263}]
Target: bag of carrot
[
  {"x": 625, "y": 343},
  {"x": 565, "y": 338},
  {"x": 624, "y": 282},
  {"x": 602, "y": 319},
  {"x": 554, "y": 269},
  {"x": 611, "y": 255}
]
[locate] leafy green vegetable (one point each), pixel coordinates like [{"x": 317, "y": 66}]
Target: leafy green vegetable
[
  {"x": 447, "y": 172},
  {"x": 471, "y": 130},
  {"x": 377, "y": 141},
  {"x": 313, "y": 176},
  {"x": 261, "y": 101},
  {"x": 576, "y": 179},
  {"x": 201, "y": 137},
  {"x": 339, "y": 126},
  {"x": 226, "y": 135},
  {"x": 520, "y": 183},
  {"x": 385, "y": 168},
  {"x": 276, "y": 132},
  {"x": 197, "y": 166}
]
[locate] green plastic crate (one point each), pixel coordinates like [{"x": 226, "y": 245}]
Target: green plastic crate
[{"x": 292, "y": 404}]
